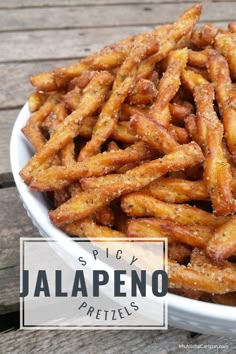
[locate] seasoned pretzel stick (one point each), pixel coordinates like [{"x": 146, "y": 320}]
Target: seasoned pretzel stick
[
  {"x": 36, "y": 100},
  {"x": 223, "y": 243},
  {"x": 57, "y": 177},
  {"x": 55, "y": 118},
  {"x": 32, "y": 128},
  {"x": 88, "y": 228},
  {"x": 139, "y": 204},
  {"x": 192, "y": 79},
  {"x": 179, "y": 252},
  {"x": 232, "y": 27},
  {"x": 176, "y": 190},
  {"x": 226, "y": 45},
  {"x": 179, "y": 112},
  {"x": 93, "y": 96},
  {"x": 168, "y": 86},
  {"x": 72, "y": 98},
  {"x": 105, "y": 216},
  {"x": 204, "y": 36},
  {"x": 87, "y": 202},
  {"x": 46, "y": 82},
  {"x": 199, "y": 58},
  {"x": 50, "y": 125},
  {"x": 153, "y": 133},
  {"x": 179, "y": 30},
  {"x": 217, "y": 173},
  {"x": 122, "y": 130},
  {"x": 209, "y": 278},
  {"x": 193, "y": 235},
  {"x": 143, "y": 93},
  {"x": 179, "y": 134},
  {"x": 122, "y": 86},
  {"x": 170, "y": 190},
  {"x": 145, "y": 227},
  {"x": 226, "y": 97},
  {"x": 191, "y": 126}
]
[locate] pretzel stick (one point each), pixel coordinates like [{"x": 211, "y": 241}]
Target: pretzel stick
[
  {"x": 179, "y": 30},
  {"x": 223, "y": 242},
  {"x": 88, "y": 228},
  {"x": 93, "y": 96},
  {"x": 153, "y": 133},
  {"x": 176, "y": 190},
  {"x": 193, "y": 235},
  {"x": 168, "y": 86},
  {"x": 226, "y": 97},
  {"x": 122, "y": 86},
  {"x": 226, "y": 45},
  {"x": 32, "y": 128},
  {"x": 192, "y": 79},
  {"x": 140, "y": 204},
  {"x": 204, "y": 36},
  {"x": 89, "y": 201},
  {"x": 179, "y": 112},
  {"x": 179, "y": 252},
  {"x": 207, "y": 278},
  {"x": 57, "y": 177},
  {"x": 36, "y": 100},
  {"x": 217, "y": 174},
  {"x": 199, "y": 58}
]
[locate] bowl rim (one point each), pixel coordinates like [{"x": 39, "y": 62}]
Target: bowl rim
[{"x": 184, "y": 305}]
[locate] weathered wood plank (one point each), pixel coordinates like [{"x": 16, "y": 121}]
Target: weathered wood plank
[
  {"x": 7, "y": 119},
  {"x": 9, "y": 288},
  {"x": 62, "y": 44},
  {"x": 109, "y": 342},
  {"x": 15, "y": 78},
  {"x": 15, "y": 223},
  {"x": 97, "y": 16},
  {"x": 71, "y": 43},
  {"x": 46, "y": 3}
]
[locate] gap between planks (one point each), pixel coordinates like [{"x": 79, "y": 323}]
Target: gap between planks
[
  {"x": 14, "y": 4},
  {"x": 149, "y": 24}
]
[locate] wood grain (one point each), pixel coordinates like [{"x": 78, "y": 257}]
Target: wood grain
[
  {"x": 100, "y": 16},
  {"x": 48, "y": 3},
  {"x": 109, "y": 342},
  {"x": 15, "y": 223},
  {"x": 59, "y": 44},
  {"x": 7, "y": 119},
  {"x": 15, "y": 78}
]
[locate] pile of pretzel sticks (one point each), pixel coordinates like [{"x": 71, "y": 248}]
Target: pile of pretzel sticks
[{"x": 139, "y": 140}]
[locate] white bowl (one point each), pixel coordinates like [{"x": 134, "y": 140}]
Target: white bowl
[{"x": 192, "y": 315}]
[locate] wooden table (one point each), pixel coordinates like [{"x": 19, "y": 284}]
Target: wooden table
[{"x": 37, "y": 36}]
